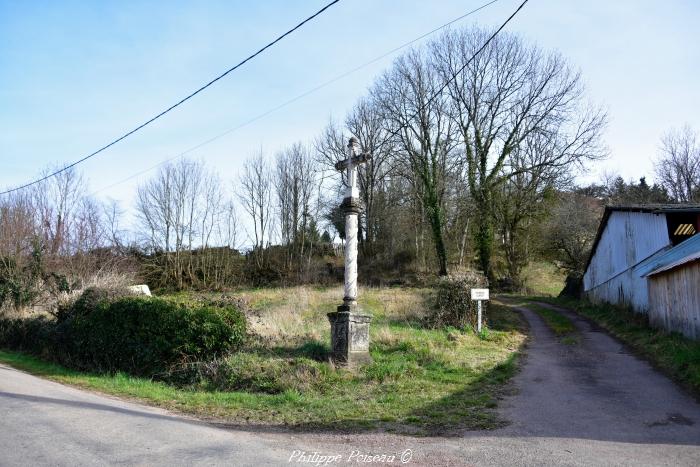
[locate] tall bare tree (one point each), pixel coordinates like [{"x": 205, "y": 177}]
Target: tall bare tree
[
  {"x": 57, "y": 201},
  {"x": 366, "y": 122},
  {"x": 255, "y": 194},
  {"x": 424, "y": 136},
  {"x": 523, "y": 200},
  {"x": 505, "y": 95},
  {"x": 295, "y": 182},
  {"x": 179, "y": 209},
  {"x": 678, "y": 166}
]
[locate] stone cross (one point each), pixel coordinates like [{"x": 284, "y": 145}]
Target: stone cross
[{"x": 350, "y": 327}]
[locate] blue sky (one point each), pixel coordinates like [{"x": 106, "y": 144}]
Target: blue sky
[{"x": 75, "y": 75}]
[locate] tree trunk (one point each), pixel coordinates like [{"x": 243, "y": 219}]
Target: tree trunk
[
  {"x": 435, "y": 217},
  {"x": 484, "y": 234}
]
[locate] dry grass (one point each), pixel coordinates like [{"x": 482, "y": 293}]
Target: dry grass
[
  {"x": 298, "y": 314},
  {"x": 49, "y": 300},
  {"x": 109, "y": 280},
  {"x": 544, "y": 279}
]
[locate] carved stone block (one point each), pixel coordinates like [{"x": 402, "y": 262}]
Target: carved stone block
[{"x": 349, "y": 336}]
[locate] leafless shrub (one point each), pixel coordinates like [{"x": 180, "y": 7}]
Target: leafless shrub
[{"x": 453, "y": 303}]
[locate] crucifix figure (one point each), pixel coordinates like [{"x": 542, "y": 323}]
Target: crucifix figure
[{"x": 349, "y": 326}]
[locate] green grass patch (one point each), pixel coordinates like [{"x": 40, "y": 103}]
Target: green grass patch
[
  {"x": 421, "y": 381},
  {"x": 558, "y": 323},
  {"x": 544, "y": 278},
  {"x": 569, "y": 340},
  {"x": 674, "y": 354}
]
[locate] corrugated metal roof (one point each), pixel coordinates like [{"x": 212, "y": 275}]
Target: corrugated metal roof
[
  {"x": 680, "y": 262},
  {"x": 650, "y": 208},
  {"x": 682, "y": 253}
]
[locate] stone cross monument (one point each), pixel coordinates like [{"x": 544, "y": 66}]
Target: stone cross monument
[{"x": 349, "y": 326}]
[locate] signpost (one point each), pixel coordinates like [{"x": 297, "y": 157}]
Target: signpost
[{"x": 479, "y": 295}]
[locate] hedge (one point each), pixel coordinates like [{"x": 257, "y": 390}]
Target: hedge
[{"x": 138, "y": 335}]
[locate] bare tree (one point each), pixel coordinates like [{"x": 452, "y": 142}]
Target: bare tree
[
  {"x": 366, "y": 122},
  {"x": 295, "y": 180},
  {"x": 523, "y": 200},
  {"x": 154, "y": 206},
  {"x": 424, "y": 136},
  {"x": 678, "y": 166},
  {"x": 113, "y": 214},
  {"x": 507, "y": 94},
  {"x": 56, "y": 201},
  {"x": 255, "y": 194},
  {"x": 228, "y": 228},
  {"x": 571, "y": 230},
  {"x": 179, "y": 209}
]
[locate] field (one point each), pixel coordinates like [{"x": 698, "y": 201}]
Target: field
[
  {"x": 543, "y": 278},
  {"x": 421, "y": 380}
]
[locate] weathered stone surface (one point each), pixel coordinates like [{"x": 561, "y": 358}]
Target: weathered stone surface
[
  {"x": 349, "y": 336},
  {"x": 350, "y": 258},
  {"x": 351, "y": 205},
  {"x": 350, "y": 327}
]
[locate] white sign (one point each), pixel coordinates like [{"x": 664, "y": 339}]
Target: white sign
[{"x": 480, "y": 294}]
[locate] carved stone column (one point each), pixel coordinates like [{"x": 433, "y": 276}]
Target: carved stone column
[{"x": 349, "y": 326}]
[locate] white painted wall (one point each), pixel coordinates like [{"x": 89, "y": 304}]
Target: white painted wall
[{"x": 628, "y": 239}]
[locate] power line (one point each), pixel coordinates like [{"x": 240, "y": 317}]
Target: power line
[
  {"x": 182, "y": 101},
  {"x": 461, "y": 69},
  {"x": 298, "y": 97}
]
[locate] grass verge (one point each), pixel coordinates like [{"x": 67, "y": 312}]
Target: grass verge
[
  {"x": 558, "y": 323},
  {"x": 421, "y": 381},
  {"x": 674, "y": 354}
]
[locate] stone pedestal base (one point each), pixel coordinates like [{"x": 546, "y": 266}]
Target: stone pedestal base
[{"x": 349, "y": 336}]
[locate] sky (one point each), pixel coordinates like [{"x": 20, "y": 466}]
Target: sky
[{"x": 76, "y": 75}]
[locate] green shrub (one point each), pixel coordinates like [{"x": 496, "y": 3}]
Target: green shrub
[
  {"x": 89, "y": 301},
  {"x": 453, "y": 303},
  {"x": 35, "y": 335},
  {"x": 143, "y": 336},
  {"x": 139, "y": 335}
]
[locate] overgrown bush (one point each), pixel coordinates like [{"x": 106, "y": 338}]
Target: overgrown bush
[
  {"x": 453, "y": 303},
  {"x": 143, "y": 336},
  {"x": 88, "y": 300},
  {"x": 36, "y": 335},
  {"x": 20, "y": 279},
  {"x": 138, "y": 335}
]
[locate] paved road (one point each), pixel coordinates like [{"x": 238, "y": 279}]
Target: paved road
[
  {"x": 45, "y": 423},
  {"x": 587, "y": 404},
  {"x": 591, "y": 403}
]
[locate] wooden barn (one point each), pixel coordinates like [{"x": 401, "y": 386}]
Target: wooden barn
[
  {"x": 674, "y": 289},
  {"x": 646, "y": 257}
]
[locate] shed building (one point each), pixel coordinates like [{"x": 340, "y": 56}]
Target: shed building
[
  {"x": 674, "y": 289},
  {"x": 630, "y": 240}
]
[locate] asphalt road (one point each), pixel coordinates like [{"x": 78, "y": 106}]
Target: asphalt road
[{"x": 586, "y": 404}]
